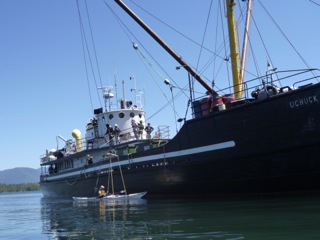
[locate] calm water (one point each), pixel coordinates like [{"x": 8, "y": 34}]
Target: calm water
[{"x": 30, "y": 216}]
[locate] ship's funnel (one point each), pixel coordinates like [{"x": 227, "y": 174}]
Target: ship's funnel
[{"x": 77, "y": 135}]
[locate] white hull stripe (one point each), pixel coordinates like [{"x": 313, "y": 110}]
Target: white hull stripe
[{"x": 180, "y": 153}]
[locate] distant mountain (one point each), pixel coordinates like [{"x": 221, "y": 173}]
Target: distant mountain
[{"x": 20, "y": 175}]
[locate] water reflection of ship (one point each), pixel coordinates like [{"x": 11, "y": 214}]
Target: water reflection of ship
[
  {"x": 132, "y": 219},
  {"x": 97, "y": 220},
  {"x": 244, "y": 218}
]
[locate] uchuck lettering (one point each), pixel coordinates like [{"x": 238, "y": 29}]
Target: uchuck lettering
[{"x": 303, "y": 101}]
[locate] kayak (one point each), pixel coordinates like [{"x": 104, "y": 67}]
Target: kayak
[{"x": 112, "y": 197}]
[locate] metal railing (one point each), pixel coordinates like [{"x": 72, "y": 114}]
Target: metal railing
[{"x": 162, "y": 132}]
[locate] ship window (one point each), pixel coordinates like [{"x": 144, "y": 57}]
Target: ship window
[
  {"x": 132, "y": 114},
  {"x": 121, "y": 115},
  {"x": 140, "y": 115},
  {"x": 110, "y": 116}
]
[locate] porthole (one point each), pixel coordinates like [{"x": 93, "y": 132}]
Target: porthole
[
  {"x": 110, "y": 116},
  {"x": 121, "y": 115},
  {"x": 132, "y": 114}
]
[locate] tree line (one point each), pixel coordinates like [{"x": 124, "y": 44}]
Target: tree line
[{"x": 21, "y": 187}]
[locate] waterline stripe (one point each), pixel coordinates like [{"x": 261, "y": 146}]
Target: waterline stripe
[{"x": 212, "y": 147}]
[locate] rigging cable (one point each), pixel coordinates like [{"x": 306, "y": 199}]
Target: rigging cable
[
  {"x": 142, "y": 56},
  {"x": 285, "y": 36},
  {"x": 169, "y": 102},
  {"x": 252, "y": 48},
  {"x": 126, "y": 31},
  {"x": 84, "y": 55},
  {"x": 315, "y": 3},
  {"x": 86, "y": 49},
  {"x": 183, "y": 35},
  {"x": 215, "y": 54},
  {"x": 223, "y": 46},
  {"x": 202, "y": 46},
  {"x": 204, "y": 35},
  {"x": 215, "y": 73},
  {"x": 91, "y": 62},
  {"x": 96, "y": 187},
  {"x": 93, "y": 45},
  {"x": 175, "y": 30}
]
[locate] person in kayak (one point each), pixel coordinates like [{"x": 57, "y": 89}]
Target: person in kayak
[{"x": 102, "y": 193}]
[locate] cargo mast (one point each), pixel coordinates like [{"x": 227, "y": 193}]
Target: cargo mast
[{"x": 238, "y": 76}]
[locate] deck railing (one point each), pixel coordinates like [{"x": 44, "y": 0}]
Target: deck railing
[{"x": 162, "y": 132}]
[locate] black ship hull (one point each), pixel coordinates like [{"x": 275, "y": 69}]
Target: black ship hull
[{"x": 266, "y": 146}]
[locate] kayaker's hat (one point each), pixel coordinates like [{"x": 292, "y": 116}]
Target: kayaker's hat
[{"x": 102, "y": 187}]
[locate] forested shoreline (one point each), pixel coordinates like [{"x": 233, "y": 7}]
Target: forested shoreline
[{"x": 21, "y": 187}]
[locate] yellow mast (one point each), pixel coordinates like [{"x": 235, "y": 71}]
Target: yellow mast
[{"x": 233, "y": 50}]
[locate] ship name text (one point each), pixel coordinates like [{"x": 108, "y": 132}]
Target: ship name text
[{"x": 303, "y": 101}]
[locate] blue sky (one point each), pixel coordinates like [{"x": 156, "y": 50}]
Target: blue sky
[{"x": 44, "y": 88}]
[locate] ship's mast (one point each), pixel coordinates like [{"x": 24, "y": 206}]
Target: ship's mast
[
  {"x": 233, "y": 50},
  {"x": 238, "y": 76},
  {"x": 178, "y": 58},
  {"x": 245, "y": 43}
]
